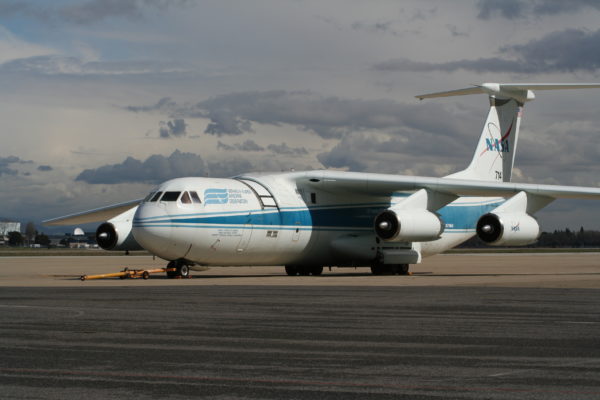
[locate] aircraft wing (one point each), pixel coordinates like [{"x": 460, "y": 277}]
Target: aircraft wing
[
  {"x": 384, "y": 184},
  {"x": 96, "y": 215}
]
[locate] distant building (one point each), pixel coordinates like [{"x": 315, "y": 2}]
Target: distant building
[{"x": 9, "y": 226}]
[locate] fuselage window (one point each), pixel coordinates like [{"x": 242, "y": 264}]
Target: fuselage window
[
  {"x": 185, "y": 198},
  {"x": 195, "y": 197},
  {"x": 170, "y": 196},
  {"x": 156, "y": 196}
]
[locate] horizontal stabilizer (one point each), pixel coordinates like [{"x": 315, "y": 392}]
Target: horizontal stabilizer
[{"x": 519, "y": 91}]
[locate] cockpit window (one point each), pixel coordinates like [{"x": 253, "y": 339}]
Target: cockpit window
[
  {"x": 150, "y": 195},
  {"x": 156, "y": 196},
  {"x": 185, "y": 198},
  {"x": 195, "y": 197},
  {"x": 170, "y": 196}
]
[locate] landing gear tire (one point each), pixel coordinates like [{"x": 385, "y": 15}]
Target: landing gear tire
[
  {"x": 303, "y": 270},
  {"x": 170, "y": 265},
  {"x": 181, "y": 269},
  {"x": 377, "y": 269},
  {"x": 390, "y": 269},
  {"x": 291, "y": 270},
  {"x": 403, "y": 269}
]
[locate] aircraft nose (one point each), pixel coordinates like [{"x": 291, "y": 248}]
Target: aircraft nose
[{"x": 152, "y": 228}]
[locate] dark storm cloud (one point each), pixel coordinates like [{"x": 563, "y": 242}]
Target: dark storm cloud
[
  {"x": 158, "y": 168},
  {"x": 406, "y": 150},
  {"x": 328, "y": 117},
  {"x": 512, "y": 9},
  {"x": 248, "y": 145},
  {"x": 5, "y": 165},
  {"x": 44, "y": 168},
  {"x": 573, "y": 153},
  {"x": 565, "y": 51},
  {"x": 175, "y": 128},
  {"x": 87, "y": 12},
  {"x": 384, "y": 27},
  {"x": 283, "y": 148},
  {"x": 154, "y": 169}
]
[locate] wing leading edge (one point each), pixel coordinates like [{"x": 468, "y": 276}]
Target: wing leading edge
[
  {"x": 95, "y": 215},
  {"x": 383, "y": 184}
]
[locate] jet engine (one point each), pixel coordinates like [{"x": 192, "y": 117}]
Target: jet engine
[
  {"x": 115, "y": 234},
  {"x": 508, "y": 229},
  {"x": 408, "y": 225}
]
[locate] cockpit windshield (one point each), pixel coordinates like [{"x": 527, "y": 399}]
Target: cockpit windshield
[{"x": 170, "y": 196}]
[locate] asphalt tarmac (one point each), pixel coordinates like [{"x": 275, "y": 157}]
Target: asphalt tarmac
[{"x": 178, "y": 339}]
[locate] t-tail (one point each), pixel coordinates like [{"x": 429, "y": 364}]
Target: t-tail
[{"x": 495, "y": 152}]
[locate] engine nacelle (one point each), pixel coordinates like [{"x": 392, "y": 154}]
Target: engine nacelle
[
  {"x": 409, "y": 225},
  {"x": 115, "y": 234},
  {"x": 508, "y": 229}
]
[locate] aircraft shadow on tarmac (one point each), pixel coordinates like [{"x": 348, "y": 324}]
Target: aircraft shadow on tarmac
[{"x": 342, "y": 275}]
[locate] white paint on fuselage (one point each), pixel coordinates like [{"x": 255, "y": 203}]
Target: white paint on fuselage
[{"x": 239, "y": 230}]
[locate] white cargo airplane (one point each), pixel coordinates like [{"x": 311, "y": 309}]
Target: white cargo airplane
[{"x": 307, "y": 220}]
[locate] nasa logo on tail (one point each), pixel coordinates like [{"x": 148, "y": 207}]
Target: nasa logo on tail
[{"x": 498, "y": 145}]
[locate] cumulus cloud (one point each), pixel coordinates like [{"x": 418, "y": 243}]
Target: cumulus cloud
[
  {"x": 382, "y": 27},
  {"x": 164, "y": 103},
  {"x": 158, "y": 168},
  {"x": 404, "y": 153},
  {"x": 513, "y": 9},
  {"x": 154, "y": 169},
  {"x": 87, "y": 12},
  {"x": 565, "y": 51},
  {"x": 5, "y": 165},
  {"x": 175, "y": 128},
  {"x": 284, "y": 149},
  {"x": 327, "y": 116},
  {"x": 248, "y": 145}
]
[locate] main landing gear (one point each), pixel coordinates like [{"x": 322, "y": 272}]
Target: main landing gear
[
  {"x": 178, "y": 269},
  {"x": 303, "y": 270},
  {"x": 389, "y": 269}
]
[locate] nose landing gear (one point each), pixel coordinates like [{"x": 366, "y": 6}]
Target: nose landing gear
[{"x": 178, "y": 269}]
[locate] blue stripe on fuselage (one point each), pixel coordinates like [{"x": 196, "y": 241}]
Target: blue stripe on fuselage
[{"x": 456, "y": 217}]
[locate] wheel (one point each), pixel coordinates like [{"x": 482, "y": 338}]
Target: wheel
[
  {"x": 291, "y": 270},
  {"x": 145, "y": 275},
  {"x": 183, "y": 270},
  {"x": 304, "y": 270},
  {"x": 316, "y": 271},
  {"x": 377, "y": 269},
  {"x": 171, "y": 274},
  {"x": 403, "y": 269}
]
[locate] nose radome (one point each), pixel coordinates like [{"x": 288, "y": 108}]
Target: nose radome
[{"x": 152, "y": 229}]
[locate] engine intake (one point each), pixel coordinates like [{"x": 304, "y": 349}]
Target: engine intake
[
  {"x": 116, "y": 236},
  {"x": 408, "y": 225},
  {"x": 508, "y": 229}
]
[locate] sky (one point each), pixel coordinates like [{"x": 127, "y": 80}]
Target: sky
[{"x": 101, "y": 100}]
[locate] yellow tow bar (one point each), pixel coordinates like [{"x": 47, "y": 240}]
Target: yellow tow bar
[{"x": 129, "y": 273}]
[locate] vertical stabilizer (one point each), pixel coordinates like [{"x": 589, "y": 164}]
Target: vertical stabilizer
[{"x": 495, "y": 152}]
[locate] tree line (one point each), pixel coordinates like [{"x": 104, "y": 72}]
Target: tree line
[{"x": 557, "y": 239}]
